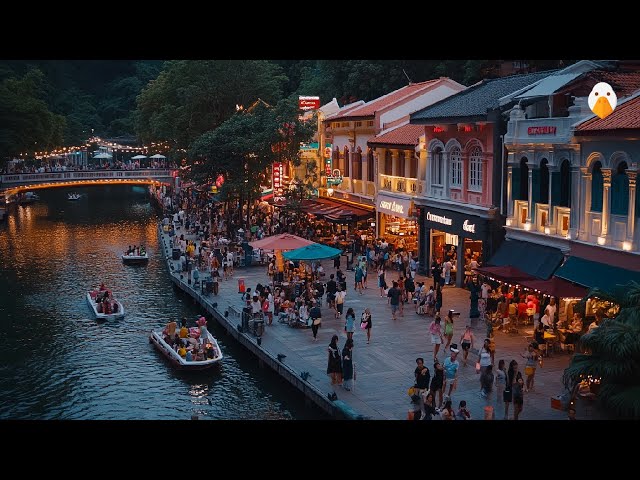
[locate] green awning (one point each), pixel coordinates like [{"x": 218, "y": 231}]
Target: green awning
[
  {"x": 595, "y": 274},
  {"x": 536, "y": 260}
]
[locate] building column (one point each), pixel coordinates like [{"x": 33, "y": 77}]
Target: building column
[
  {"x": 395, "y": 163},
  {"x": 585, "y": 228},
  {"x": 550, "y": 219},
  {"x": 364, "y": 168},
  {"x": 530, "y": 197},
  {"x": 379, "y": 164},
  {"x": 631, "y": 215},
  {"x": 460, "y": 262},
  {"x": 576, "y": 205},
  {"x": 422, "y": 166},
  {"x": 606, "y": 201},
  {"x": 408, "y": 157},
  {"x": 486, "y": 192},
  {"x": 510, "y": 191}
]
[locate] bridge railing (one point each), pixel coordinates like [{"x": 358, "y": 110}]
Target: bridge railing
[{"x": 26, "y": 178}]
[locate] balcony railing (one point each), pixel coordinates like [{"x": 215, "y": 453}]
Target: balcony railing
[{"x": 409, "y": 186}]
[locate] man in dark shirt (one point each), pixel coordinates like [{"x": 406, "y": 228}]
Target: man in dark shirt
[
  {"x": 394, "y": 295},
  {"x": 331, "y": 290},
  {"x": 423, "y": 376},
  {"x": 316, "y": 317},
  {"x": 436, "y": 272}
]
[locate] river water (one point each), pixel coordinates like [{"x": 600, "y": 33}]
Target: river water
[{"x": 56, "y": 362}]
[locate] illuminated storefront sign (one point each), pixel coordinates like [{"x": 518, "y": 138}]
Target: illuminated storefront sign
[
  {"x": 438, "y": 219},
  {"x": 397, "y": 207},
  {"x": 469, "y": 227},
  {"x": 544, "y": 130},
  {"x": 308, "y": 103}
]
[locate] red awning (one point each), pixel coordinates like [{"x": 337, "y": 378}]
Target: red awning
[
  {"x": 338, "y": 211},
  {"x": 557, "y": 287},
  {"x": 505, "y": 274}
]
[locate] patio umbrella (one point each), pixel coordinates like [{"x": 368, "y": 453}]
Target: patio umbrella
[
  {"x": 312, "y": 252},
  {"x": 103, "y": 155},
  {"x": 157, "y": 155},
  {"x": 138, "y": 157},
  {"x": 284, "y": 241}
]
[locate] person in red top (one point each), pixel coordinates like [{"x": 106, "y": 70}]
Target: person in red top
[{"x": 522, "y": 310}]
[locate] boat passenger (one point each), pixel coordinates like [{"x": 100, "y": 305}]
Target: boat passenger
[
  {"x": 189, "y": 356},
  {"x": 182, "y": 351},
  {"x": 171, "y": 329}
]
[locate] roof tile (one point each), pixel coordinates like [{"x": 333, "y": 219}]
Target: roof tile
[
  {"x": 405, "y": 135},
  {"x": 625, "y": 116}
]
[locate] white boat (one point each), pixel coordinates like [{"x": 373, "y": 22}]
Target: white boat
[
  {"x": 156, "y": 337},
  {"x": 73, "y": 196},
  {"x": 135, "y": 259},
  {"x": 104, "y": 316}
]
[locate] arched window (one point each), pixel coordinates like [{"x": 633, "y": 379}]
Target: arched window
[
  {"x": 524, "y": 179},
  {"x": 544, "y": 181},
  {"x": 388, "y": 163},
  {"x": 565, "y": 184},
  {"x": 620, "y": 190},
  {"x": 346, "y": 161},
  {"x": 596, "y": 187},
  {"x": 370, "y": 166},
  {"x": 455, "y": 160},
  {"x": 437, "y": 167},
  {"x": 475, "y": 169}
]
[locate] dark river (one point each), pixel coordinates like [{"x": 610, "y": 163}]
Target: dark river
[{"x": 56, "y": 362}]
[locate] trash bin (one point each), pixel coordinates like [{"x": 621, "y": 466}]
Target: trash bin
[
  {"x": 175, "y": 254},
  {"x": 241, "y": 286}
]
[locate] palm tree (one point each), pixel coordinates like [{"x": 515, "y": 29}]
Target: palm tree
[{"x": 613, "y": 354}]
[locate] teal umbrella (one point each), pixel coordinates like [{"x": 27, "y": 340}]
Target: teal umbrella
[{"x": 315, "y": 251}]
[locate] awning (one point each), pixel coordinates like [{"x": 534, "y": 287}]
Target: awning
[
  {"x": 595, "y": 274},
  {"x": 338, "y": 211},
  {"x": 505, "y": 274},
  {"x": 556, "y": 287},
  {"x": 536, "y": 260},
  {"x": 549, "y": 85}
]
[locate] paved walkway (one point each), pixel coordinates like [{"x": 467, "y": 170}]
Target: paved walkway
[{"x": 384, "y": 368}]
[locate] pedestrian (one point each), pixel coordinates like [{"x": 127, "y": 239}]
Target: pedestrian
[
  {"x": 435, "y": 329},
  {"x": 270, "y": 305},
  {"x": 466, "y": 340},
  {"x": 347, "y": 363},
  {"x": 429, "y": 405},
  {"x": 446, "y": 268},
  {"x": 507, "y": 395},
  {"x": 437, "y": 382},
  {"x": 500, "y": 381},
  {"x": 486, "y": 382},
  {"x": 340, "y": 296},
  {"x": 359, "y": 275},
  {"x": 438, "y": 294},
  {"x": 532, "y": 355},
  {"x": 349, "y": 324},
  {"x": 394, "y": 295},
  {"x": 334, "y": 363},
  {"x": 447, "y": 412},
  {"x": 382, "y": 283},
  {"x": 484, "y": 356},
  {"x": 451, "y": 366},
  {"x": 463, "y": 412},
  {"x": 422, "y": 377},
  {"x": 316, "y": 320},
  {"x": 518, "y": 396},
  {"x": 436, "y": 273},
  {"x": 365, "y": 323},
  {"x": 448, "y": 328}
]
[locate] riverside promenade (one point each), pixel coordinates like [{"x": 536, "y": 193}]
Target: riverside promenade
[{"x": 384, "y": 368}]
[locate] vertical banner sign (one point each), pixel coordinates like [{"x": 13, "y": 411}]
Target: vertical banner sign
[
  {"x": 276, "y": 180},
  {"x": 327, "y": 160}
]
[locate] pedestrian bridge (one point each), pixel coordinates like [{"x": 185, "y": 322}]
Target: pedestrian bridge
[{"x": 21, "y": 182}]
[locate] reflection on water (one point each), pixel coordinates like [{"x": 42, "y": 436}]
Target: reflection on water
[{"x": 57, "y": 362}]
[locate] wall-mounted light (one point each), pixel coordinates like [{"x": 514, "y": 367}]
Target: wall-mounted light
[
  {"x": 547, "y": 230},
  {"x": 626, "y": 246},
  {"x": 602, "y": 240},
  {"x": 527, "y": 226},
  {"x": 509, "y": 222}
]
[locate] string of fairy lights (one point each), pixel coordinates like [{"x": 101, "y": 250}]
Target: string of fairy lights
[
  {"x": 517, "y": 285},
  {"x": 159, "y": 147}
]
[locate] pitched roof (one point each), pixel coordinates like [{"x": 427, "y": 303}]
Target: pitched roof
[
  {"x": 406, "y": 134},
  {"x": 370, "y": 108},
  {"x": 340, "y": 113},
  {"x": 626, "y": 116},
  {"x": 478, "y": 99},
  {"x": 623, "y": 83}
]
